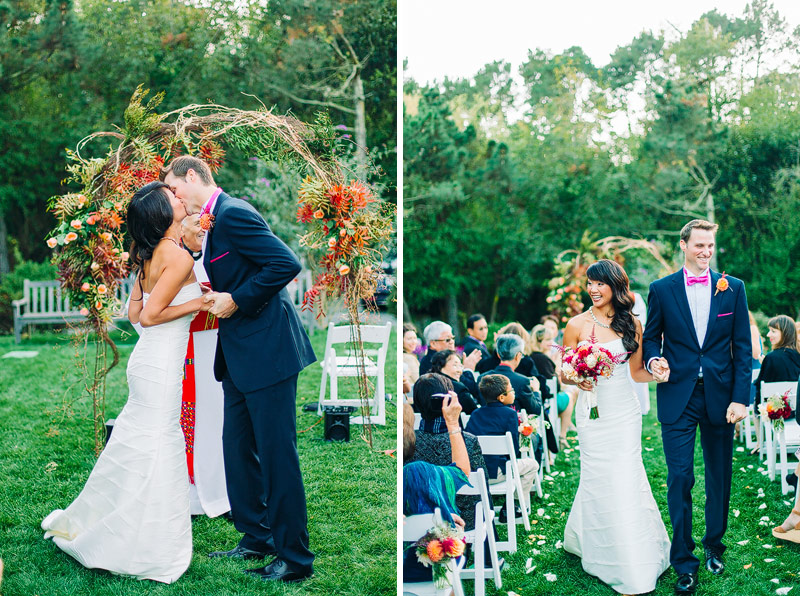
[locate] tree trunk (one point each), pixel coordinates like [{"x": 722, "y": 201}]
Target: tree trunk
[
  {"x": 360, "y": 126},
  {"x": 406, "y": 312},
  {"x": 5, "y": 266},
  {"x": 495, "y": 302},
  {"x": 452, "y": 312},
  {"x": 711, "y": 216}
]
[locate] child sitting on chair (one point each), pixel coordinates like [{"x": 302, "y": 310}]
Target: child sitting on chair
[{"x": 496, "y": 418}]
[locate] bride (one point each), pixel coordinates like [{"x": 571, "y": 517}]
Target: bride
[
  {"x": 132, "y": 516},
  {"x": 614, "y": 526}
]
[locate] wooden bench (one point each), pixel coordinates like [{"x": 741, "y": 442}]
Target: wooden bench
[{"x": 44, "y": 302}]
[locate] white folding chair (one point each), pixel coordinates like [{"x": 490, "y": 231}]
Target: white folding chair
[
  {"x": 417, "y": 420},
  {"x": 414, "y": 528},
  {"x": 748, "y": 433},
  {"x": 511, "y": 486},
  {"x": 352, "y": 365},
  {"x": 464, "y": 419},
  {"x": 542, "y": 431},
  {"x": 527, "y": 452},
  {"x": 484, "y": 530},
  {"x": 555, "y": 421},
  {"x": 773, "y": 444}
]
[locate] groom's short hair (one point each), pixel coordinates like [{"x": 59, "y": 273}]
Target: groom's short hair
[
  {"x": 181, "y": 165},
  {"x": 697, "y": 224}
]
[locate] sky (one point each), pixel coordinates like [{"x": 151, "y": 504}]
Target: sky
[{"x": 455, "y": 38}]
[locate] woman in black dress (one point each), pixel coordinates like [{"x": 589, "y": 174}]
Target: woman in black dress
[
  {"x": 447, "y": 362},
  {"x": 783, "y": 362}
]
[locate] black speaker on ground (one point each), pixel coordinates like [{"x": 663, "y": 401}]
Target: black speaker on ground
[
  {"x": 109, "y": 428},
  {"x": 337, "y": 422}
]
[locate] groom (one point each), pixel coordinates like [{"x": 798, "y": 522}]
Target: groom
[
  {"x": 701, "y": 318},
  {"x": 261, "y": 348}
]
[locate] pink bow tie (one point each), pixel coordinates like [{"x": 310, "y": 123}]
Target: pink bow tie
[{"x": 690, "y": 280}]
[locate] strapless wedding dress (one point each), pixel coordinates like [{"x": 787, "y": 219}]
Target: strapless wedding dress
[
  {"x": 615, "y": 525},
  {"x": 132, "y": 516}
]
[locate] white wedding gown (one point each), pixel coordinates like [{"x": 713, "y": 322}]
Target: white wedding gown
[
  {"x": 132, "y": 516},
  {"x": 615, "y": 525}
]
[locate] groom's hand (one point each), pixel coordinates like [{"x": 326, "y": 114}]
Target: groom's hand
[
  {"x": 660, "y": 370},
  {"x": 224, "y": 306},
  {"x": 736, "y": 412}
]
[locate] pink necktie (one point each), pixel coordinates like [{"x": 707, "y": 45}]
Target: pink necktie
[{"x": 690, "y": 280}]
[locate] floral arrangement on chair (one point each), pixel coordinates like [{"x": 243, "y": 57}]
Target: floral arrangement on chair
[
  {"x": 527, "y": 428},
  {"x": 777, "y": 409},
  {"x": 439, "y": 548}
]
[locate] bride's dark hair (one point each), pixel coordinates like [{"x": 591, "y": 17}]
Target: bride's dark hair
[
  {"x": 614, "y": 276},
  {"x": 149, "y": 216}
]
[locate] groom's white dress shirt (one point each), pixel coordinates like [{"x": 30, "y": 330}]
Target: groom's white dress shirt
[{"x": 699, "y": 298}]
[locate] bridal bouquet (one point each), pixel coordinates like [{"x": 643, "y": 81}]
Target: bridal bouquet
[
  {"x": 527, "y": 428},
  {"x": 777, "y": 409},
  {"x": 439, "y": 549},
  {"x": 589, "y": 362}
]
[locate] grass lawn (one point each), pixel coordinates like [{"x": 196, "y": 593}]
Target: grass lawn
[
  {"x": 748, "y": 571},
  {"x": 351, "y": 491}
]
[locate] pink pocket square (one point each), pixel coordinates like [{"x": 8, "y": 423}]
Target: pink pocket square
[
  {"x": 218, "y": 258},
  {"x": 724, "y": 314}
]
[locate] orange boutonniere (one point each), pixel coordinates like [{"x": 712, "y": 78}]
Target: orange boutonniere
[
  {"x": 722, "y": 284},
  {"x": 206, "y": 221}
]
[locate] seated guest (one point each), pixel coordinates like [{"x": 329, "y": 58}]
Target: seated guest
[
  {"x": 410, "y": 343},
  {"x": 528, "y": 397},
  {"x": 783, "y": 362},
  {"x": 438, "y": 336},
  {"x": 432, "y": 440},
  {"x": 448, "y": 363},
  {"x": 498, "y": 418},
  {"x": 551, "y": 322},
  {"x": 527, "y": 366},
  {"x": 477, "y": 330},
  {"x": 427, "y": 487},
  {"x": 541, "y": 341}
]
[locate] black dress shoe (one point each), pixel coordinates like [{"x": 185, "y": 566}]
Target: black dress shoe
[
  {"x": 686, "y": 584},
  {"x": 714, "y": 561},
  {"x": 240, "y": 552},
  {"x": 278, "y": 570},
  {"x": 503, "y": 517}
]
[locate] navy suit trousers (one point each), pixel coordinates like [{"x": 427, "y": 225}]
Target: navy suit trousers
[
  {"x": 717, "y": 443},
  {"x": 262, "y": 471}
]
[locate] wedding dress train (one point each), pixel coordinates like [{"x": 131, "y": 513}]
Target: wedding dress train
[
  {"x": 132, "y": 516},
  {"x": 615, "y": 525}
]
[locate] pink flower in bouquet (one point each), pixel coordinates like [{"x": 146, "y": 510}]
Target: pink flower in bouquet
[
  {"x": 52, "y": 242},
  {"x": 453, "y": 547}
]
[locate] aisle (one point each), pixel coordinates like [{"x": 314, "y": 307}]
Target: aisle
[{"x": 749, "y": 566}]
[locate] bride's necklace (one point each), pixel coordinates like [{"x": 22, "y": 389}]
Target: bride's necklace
[
  {"x": 603, "y": 325},
  {"x": 178, "y": 244}
]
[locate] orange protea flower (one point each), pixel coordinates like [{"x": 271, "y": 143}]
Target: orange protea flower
[
  {"x": 110, "y": 218},
  {"x": 453, "y": 547},
  {"x": 70, "y": 237},
  {"x": 52, "y": 242},
  {"x": 435, "y": 551},
  {"x": 102, "y": 289}
]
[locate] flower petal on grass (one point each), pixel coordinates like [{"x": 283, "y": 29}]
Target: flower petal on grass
[
  {"x": 743, "y": 542},
  {"x": 748, "y": 566},
  {"x": 783, "y": 591},
  {"x": 551, "y": 577}
]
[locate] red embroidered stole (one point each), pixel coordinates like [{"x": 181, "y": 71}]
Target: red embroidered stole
[{"x": 202, "y": 322}]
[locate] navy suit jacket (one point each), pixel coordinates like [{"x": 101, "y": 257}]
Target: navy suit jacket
[
  {"x": 263, "y": 342},
  {"x": 725, "y": 354},
  {"x": 495, "y": 418},
  {"x": 485, "y": 363}
]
